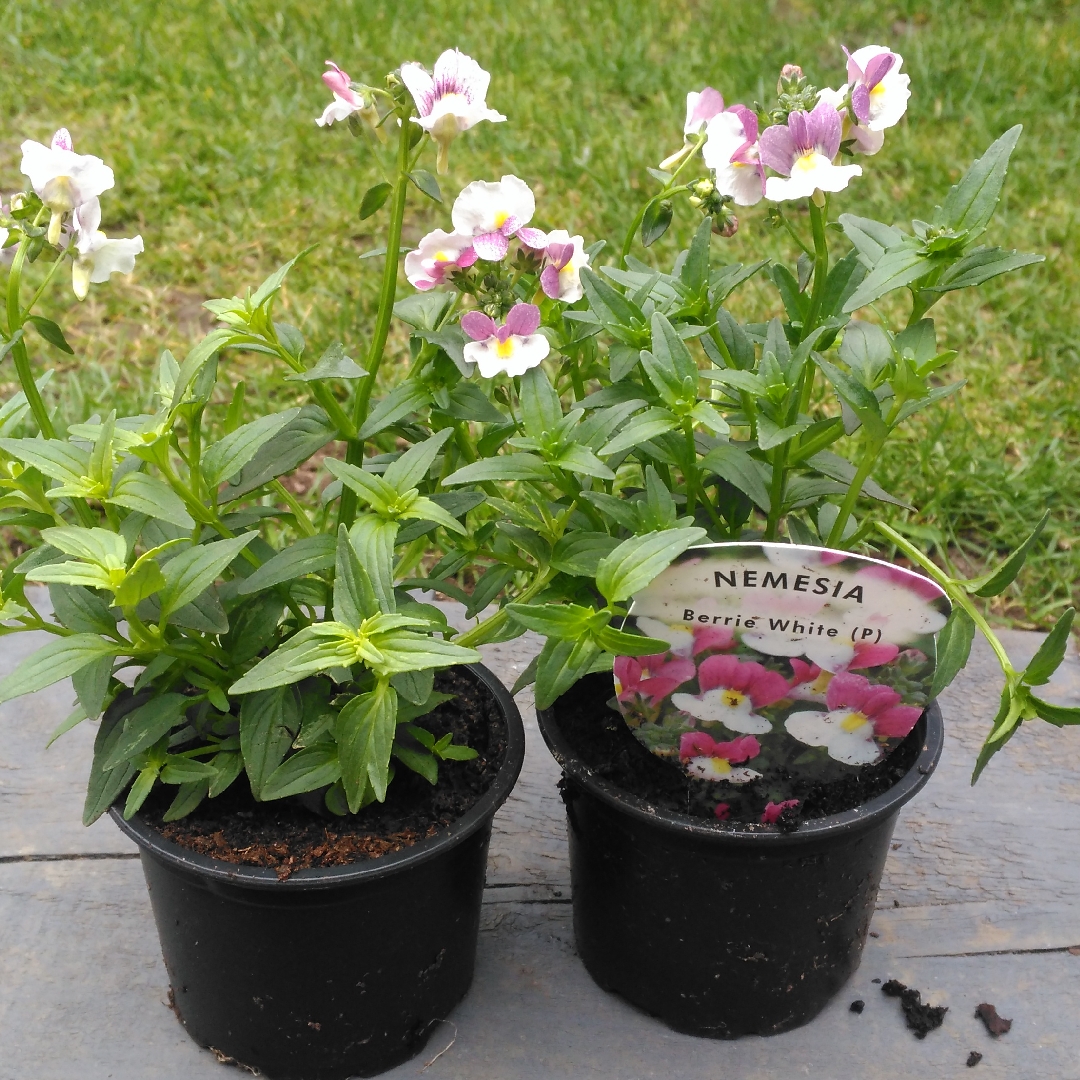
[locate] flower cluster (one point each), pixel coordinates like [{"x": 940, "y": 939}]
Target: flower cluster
[{"x": 69, "y": 184}]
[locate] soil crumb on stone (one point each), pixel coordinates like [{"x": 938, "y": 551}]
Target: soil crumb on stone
[
  {"x": 286, "y": 836},
  {"x": 922, "y": 1019},
  {"x": 996, "y": 1025},
  {"x": 601, "y": 738},
  {"x": 857, "y": 1006},
  {"x": 973, "y": 1059}
]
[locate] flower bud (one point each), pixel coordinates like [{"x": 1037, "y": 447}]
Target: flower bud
[
  {"x": 726, "y": 224},
  {"x": 790, "y": 77}
]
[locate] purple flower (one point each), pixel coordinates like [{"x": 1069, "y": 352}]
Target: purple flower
[
  {"x": 450, "y": 100},
  {"x": 491, "y": 212},
  {"x": 733, "y": 154},
  {"x": 564, "y": 257},
  {"x": 802, "y": 151},
  {"x": 512, "y": 348},
  {"x": 879, "y": 93}
]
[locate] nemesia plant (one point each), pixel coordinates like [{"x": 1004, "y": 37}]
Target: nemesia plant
[{"x": 570, "y": 418}]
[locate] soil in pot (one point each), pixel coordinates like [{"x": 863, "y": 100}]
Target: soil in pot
[
  {"x": 600, "y": 737},
  {"x": 288, "y": 836}
]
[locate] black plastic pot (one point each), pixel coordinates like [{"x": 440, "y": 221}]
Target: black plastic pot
[
  {"x": 722, "y": 929},
  {"x": 336, "y": 972}
]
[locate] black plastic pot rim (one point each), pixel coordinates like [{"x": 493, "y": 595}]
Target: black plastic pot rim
[
  {"x": 326, "y": 877},
  {"x": 748, "y": 833}
]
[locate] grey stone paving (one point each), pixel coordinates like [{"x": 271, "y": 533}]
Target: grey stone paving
[{"x": 987, "y": 881}]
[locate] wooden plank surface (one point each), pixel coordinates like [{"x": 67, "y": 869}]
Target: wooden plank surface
[{"x": 987, "y": 883}]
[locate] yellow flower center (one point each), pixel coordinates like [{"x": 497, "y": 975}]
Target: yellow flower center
[
  {"x": 441, "y": 256},
  {"x": 878, "y": 90},
  {"x": 853, "y": 721},
  {"x": 503, "y": 349},
  {"x": 804, "y": 162},
  {"x": 732, "y": 698},
  {"x": 501, "y": 218},
  {"x": 721, "y": 765}
]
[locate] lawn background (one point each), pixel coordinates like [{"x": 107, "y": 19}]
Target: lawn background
[{"x": 205, "y": 110}]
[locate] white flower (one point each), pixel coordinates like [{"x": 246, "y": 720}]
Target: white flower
[
  {"x": 879, "y": 93},
  {"x": 732, "y": 153},
  {"x": 346, "y": 100},
  {"x": 438, "y": 253},
  {"x": 99, "y": 257},
  {"x": 63, "y": 179},
  {"x": 561, "y": 277},
  {"x": 490, "y": 212},
  {"x": 512, "y": 348},
  {"x": 450, "y": 101},
  {"x": 859, "y": 139},
  {"x": 802, "y": 150},
  {"x": 710, "y": 768},
  {"x": 701, "y": 107}
]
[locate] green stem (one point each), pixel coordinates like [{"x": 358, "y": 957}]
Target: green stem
[
  {"x": 836, "y": 533},
  {"x": 776, "y": 491},
  {"x": 42, "y": 287},
  {"x": 821, "y": 263},
  {"x": 22, "y": 360},
  {"x": 479, "y": 633},
  {"x": 693, "y": 479},
  {"x": 303, "y": 522}
]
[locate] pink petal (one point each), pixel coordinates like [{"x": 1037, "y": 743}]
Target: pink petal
[
  {"x": 854, "y": 72},
  {"x": 709, "y": 103},
  {"x": 533, "y": 238},
  {"x": 696, "y": 744},
  {"x": 722, "y": 811},
  {"x": 878, "y": 68},
  {"x": 491, "y": 246},
  {"x": 846, "y": 689},
  {"x": 61, "y": 140},
  {"x": 748, "y": 119},
  {"x": 777, "y": 149},
  {"x": 478, "y": 326},
  {"x": 549, "y": 281},
  {"x": 774, "y": 810},
  {"x": 880, "y": 699},
  {"x": 896, "y": 722},
  {"x": 768, "y": 688},
  {"x": 867, "y": 656},
  {"x": 717, "y": 671},
  {"x": 713, "y": 637},
  {"x": 824, "y": 128},
  {"x": 560, "y": 254},
  {"x": 741, "y": 749},
  {"x": 523, "y": 320},
  {"x": 860, "y": 102},
  {"x": 802, "y": 672},
  {"x": 466, "y": 258},
  {"x": 627, "y": 670}
]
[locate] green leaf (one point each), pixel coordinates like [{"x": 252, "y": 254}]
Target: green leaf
[
  {"x": 671, "y": 351},
  {"x": 148, "y": 495},
  {"x": 308, "y": 432},
  {"x": 140, "y": 790},
  {"x": 641, "y": 428},
  {"x": 269, "y": 721},
  {"x": 770, "y": 435},
  {"x": 1005, "y": 575},
  {"x": 145, "y": 725},
  {"x": 953, "y": 649},
  {"x": 579, "y": 553},
  {"x": 518, "y": 466},
  {"x": 981, "y": 264},
  {"x": 1051, "y": 652},
  {"x": 426, "y": 183},
  {"x": 423, "y": 310},
  {"x": 373, "y": 539},
  {"x": 274, "y": 282},
  {"x": 228, "y": 766},
  {"x": 310, "y": 651},
  {"x": 104, "y": 785},
  {"x": 894, "y": 270},
  {"x": 866, "y": 350},
  {"x": 101, "y": 546},
  {"x": 1058, "y": 715},
  {"x": 72, "y": 720},
  {"x": 312, "y": 768},
  {"x": 737, "y": 467},
  {"x": 56, "y": 459},
  {"x": 695, "y": 269},
  {"x": 468, "y": 402},
  {"x": 253, "y": 626},
  {"x": 373, "y": 199},
  {"x": 492, "y": 582},
  {"x": 425, "y": 509},
  {"x": 615, "y": 311},
  {"x": 55, "y": 660},
  {"x": 622, "y": 359},
  {"x": 541, "y": 410},
  {"x": 364, "y": 731},
  {"x": 861, "y": 400},
  {"x": 655, "y": 223},
  {"x": 333, "y": 364},
  {"x": 197, "y": 359},
  {"x": 354, "y": 599},
  {"x": 185, "y": 770},
  {"x": 373, "y": 490},
  {"x": 580, "y": 459},
  {"x": 635, "y": 562},
  {"x": 81, "y": 610},
  {"x": 559, "y": 621},
  {"x": 408, "y": 651},
  {"x": 560, "y": 665},
  {"x": 51, "y": 333},
  {"x": 970, "y": 204},
  {"x": 415, "y": 687},
  {"x": 194, "y": 570},
  {"x": 188, "y": 797},
  {"x": 92, "y": 685},
  {"x": 871, "y": 238},
  {"x": 228, "y": 456},
  {"x": 308, "y": 555},
  {"x": 406, "y": 398},
  {"x": 409, "y": 470}
]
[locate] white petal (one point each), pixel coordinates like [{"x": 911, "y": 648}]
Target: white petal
[
  {"x": 114, "y": 257},
  {"x": 419, "y": 83},
  {"x": 726, "y": 135},
  {"x": 834, "y": 97},
  {"x": 528, "y": 352},
  {"x": 812, "y": 728},
  {"x": 741, "y": 182},
  {"x": 87, "y": 223},
  {"x": 864, "y": 141},
  {"x": 829, "y": 654},
  {"x": 711, "y": 708},
  {"x": 483, "y": 206},
  {"x": 41, "y": 164},
  {"x": 809, "y": 173},
  {"x": 854, "y": 747},
  {"x": 338, "y": 109},
  {"x": 888, "y": 101},
  {"x": 679, "y": 638}
]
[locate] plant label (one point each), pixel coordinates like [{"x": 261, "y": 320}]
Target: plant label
[{"x": 784, "y": 664}]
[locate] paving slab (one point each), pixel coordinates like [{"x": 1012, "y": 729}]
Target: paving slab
[{"x": 980, "y": 902}]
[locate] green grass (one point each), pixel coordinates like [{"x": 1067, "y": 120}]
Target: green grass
[{"x": 206, "y": 112}]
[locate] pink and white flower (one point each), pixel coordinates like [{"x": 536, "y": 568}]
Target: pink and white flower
[
  {"x": 860, "y": 140},
  {"x": 346, "y": 100},
  {"x": 438, "y": 253},
  {"x": 773, "y": 810},
  {"x": 511, "y": 349},
  {"x": 650, "y": 677},
  {"x": 450, "y": 100},
  {"x": 802, "y": 151},
  {"x": 490, "y": 212},
  {"x": 707, "y": 759},
  {"x": 859, "y": 713},
  {"x": 732, "y": 152},
  {"x": 701, "y": 107},
  {"x": 685, "y": 640},
  {"x": 730, "y": 693},
  {"x": 63, "y": 179},
  {"x": 879, "y": 93},
  {"x": 97, "y": 256},
  {"x": 564, "y": 257}
]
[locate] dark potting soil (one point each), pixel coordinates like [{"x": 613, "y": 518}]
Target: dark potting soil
[
  {"x": 601, "y": 738},
  {"x": 287, "y": 836},
  {"x": 996, "y": 1025},
  {"x": 922, "y": 1019},
  {"x": 973, "y": 1059}
]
